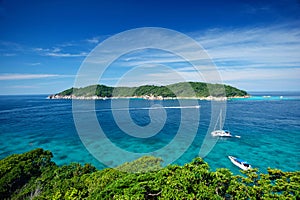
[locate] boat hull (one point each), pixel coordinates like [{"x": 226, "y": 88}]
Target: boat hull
[
  {"x": 221, "y": 133},
  {"x": 241, "y": 165}
]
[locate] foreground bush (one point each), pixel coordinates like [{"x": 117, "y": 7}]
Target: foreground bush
[
  {"x": 18, "y": 170},
  {"x": 32, "y": 175}
]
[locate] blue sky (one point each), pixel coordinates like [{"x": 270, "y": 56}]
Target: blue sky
[{"x": 254, "y": 44}]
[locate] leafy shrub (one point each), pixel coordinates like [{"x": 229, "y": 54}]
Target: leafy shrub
[
  {"x": 32, "y": 175},
  {"x": 18, "y": 169}
]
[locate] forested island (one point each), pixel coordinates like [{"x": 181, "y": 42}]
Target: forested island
[
  {"x": 33, "y": 175},
  {"x": 178, "y": 90}
]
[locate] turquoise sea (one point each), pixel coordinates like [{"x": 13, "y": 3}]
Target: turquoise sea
[{"x": 268, "y": 123}]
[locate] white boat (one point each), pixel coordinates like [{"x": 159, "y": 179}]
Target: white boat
[
  {"x": 239, "y": 163},
  {"x": 220, "y": 132}
]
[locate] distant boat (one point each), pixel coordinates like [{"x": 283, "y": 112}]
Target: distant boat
[
  {"x": 220, "y": 132},
  {"x": 240, "y": 163}
]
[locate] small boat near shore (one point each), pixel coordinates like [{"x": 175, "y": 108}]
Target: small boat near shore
[{"x": 240, "y": 163}]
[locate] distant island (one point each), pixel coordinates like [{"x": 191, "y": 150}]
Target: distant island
[{"x": 188, "y": 90}]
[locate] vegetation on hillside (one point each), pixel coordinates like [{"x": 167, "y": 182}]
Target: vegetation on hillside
[
  {"x": 184, "y": 89},
  {"x": 33, "y": 175}
]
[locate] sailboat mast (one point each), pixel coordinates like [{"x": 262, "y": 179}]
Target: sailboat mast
[{"x": 220, "y": 120}]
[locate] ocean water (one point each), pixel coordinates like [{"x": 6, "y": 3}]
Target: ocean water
[{"x": 268, "y": 123}]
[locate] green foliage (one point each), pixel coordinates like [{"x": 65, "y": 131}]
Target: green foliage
[
  {"x": 232, "y": 91},
  {"x": 184, "y": 89},
  {"x": 67, "y": 182},
  {"x": 143, "y": 164},
  {"x": 104, "y": 91},
  {"x": 45, "y": 180},
  {"x": 67, "y": 92},
  {"x": 163, "y": 91},
  {"x": 18, "y": 169},
  {"x": 123, "y": 91}
]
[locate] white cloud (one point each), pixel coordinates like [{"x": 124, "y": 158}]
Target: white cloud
[
  {"x": 56, "y": 49},
  {"x": 245, "y": 78},
  {"x": 38, "y": 49},
  {"x": 4, "y": 77},
  {"x": 263, "y": 46},
  {"x": 23, "y": 86},
  {"x": 8, "y": 54},
  {"x": 34, "y": 64},
  {"x": 94, "y": 40},
  {"x": 245, "y": 54},
  {"x": 9, "y": 49},
  {"x": 262, "y": 74},
  {"x": 252, "y": 47},
  {"x": 270, "y": 54},
  {"x": 55, "y": 54},
  {"x": 9, "y": 44}
]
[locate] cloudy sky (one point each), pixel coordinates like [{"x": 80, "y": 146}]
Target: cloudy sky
[{"x": 255, "y": 45}]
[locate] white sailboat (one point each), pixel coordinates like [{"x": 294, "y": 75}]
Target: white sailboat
[{"x": 220, "y": 132}]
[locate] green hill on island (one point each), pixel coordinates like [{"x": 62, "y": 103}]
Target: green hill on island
[
  {"x": 33, "y": 175},
  {"x": 183, "y": 89}
]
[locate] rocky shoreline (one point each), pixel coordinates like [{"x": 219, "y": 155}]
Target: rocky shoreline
[{"x": 147, "y": 97}]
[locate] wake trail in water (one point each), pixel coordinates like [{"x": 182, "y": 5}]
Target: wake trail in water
[
  {"x": 30, "y": 108},
  {"x": 142, "y": 108}
]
